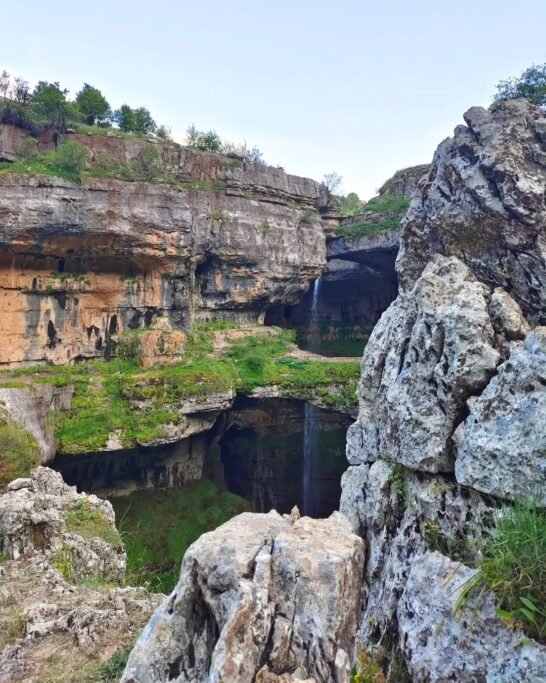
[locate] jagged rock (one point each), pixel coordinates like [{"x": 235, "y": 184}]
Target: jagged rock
[
  {"x": 506, "y": 316},
  {"x": 401, "y": 514},
  {"x": 431, "y": 350},
  {"x": 63, "y": 631},
  {"x": 473, "y": 645},
  {"x": 501, "y": 446},
  {"x": 42, "y": 516},
  {"x": 483, "y": 201},
  {"x": 259, "y": 591}
]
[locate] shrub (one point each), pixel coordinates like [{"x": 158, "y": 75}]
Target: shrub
[
  {"x": 111, "y": 670},
  {"x": 19, "y": 452},
  {"x": 513, "y": 565},
  {"x": 72, "y": 158},
  {"x": 531, "y": 85}
]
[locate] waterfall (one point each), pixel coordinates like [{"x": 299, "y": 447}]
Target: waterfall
[{"x": 310, "y": 431}]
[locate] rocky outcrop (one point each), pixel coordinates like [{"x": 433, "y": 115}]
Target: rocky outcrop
[
  {"x": 404, "y": 182},
  {"x": 42, "y": 516},
  {"x": 260, "y": 596},
  {"x": 483, "y": 201},
  {"x": 80, "y": 263},
  {"x": 451, "y": 402}
]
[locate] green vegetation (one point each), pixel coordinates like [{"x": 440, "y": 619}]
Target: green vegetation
[
  {"x": 531, "y": 85},
  {"x": 48, "y": 107},
  {"x": 88, "y": 522},
  {"x": 158, "y": 527},
  {"x": 69, "y": 162},
  {"x": 369, "y": 667},
  {"x": 386, "y": 204},
  {"x": 13, "y": 630},
  {"x": 111, "y": 671},
  {"x": 106, "y": 394},
  {"x": 19, "y": 452},
  {"x": 513, "y": 566},
  {"x": 210, "y": 141},
  {"x": 351, "y": 205},
  {"x": 460, "y": 549},
  {"x": 355, "y": 230}
]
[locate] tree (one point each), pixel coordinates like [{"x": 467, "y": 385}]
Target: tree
[
  {"x": 125, "y": 118},
  {"x": 208, "y": 141},
  {"x": 51, "y": 106},
  {"x": 92, "y": 105},
  {"x": 531, "y": 85},
  {"x": 144, "y": 122},
  {"x": 351, "y": 205},
  {"x": 332, "y": 182}
]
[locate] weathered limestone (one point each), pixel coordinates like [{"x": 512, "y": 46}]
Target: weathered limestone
[
  {"x": 42, "y": 516},
  {"x": 431, "y": 350},
  {"x": 473, "y": 645},
  {"x": 501, "y": 446},
  {"x": 258, "y": 592},
  {"x": 80, "y": 264},
  {"x": 483, "y": 201}
]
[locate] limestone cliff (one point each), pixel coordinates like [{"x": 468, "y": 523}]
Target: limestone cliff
[
  {"x": 453, "y": 402},
  {"x": 82, "y": 262}
]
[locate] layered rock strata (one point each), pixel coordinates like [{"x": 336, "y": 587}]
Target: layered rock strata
[{"x": 80, "y": 263}]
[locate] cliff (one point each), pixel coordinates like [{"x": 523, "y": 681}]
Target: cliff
[
  {"x": 452, "y": 404},
  {"x": 205, "y": 237}
]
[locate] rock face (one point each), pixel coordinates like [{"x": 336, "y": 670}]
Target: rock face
[
  {"x": 42, "y": 516},
  {"x": 483, "y": 201},
  {"x": 258, "y": 596},
  {"x": 452, "y": 402},
  {"x": 473, "y": 646},
  {"x": 501, "y": 446},
  {"x": 82, "y": 263}
]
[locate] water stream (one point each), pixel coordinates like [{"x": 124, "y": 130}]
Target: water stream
[{"x": 310, "y": 439}]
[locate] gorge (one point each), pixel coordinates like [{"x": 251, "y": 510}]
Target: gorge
[{"x": 148, "y": 355}]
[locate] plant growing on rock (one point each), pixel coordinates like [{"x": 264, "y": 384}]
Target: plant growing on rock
[
  {"x": 513, "y": 565},
  {"x": 531, "y": 85},
  {"x": 19, "y": 452}
]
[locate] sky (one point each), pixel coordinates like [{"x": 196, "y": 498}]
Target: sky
[{"x": 362, "y": 88}]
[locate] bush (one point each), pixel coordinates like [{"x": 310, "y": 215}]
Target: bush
[
  {"x": 531, "y": 85},
  {"x": 513, "y": 565},
  {"x": 19, "y": 452},
  {"x": 72, "y": 158}
]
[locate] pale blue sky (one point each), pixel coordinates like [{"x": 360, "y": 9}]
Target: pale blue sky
[{"x": 363, "y": 88}]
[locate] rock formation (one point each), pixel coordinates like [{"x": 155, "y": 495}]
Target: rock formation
[
  {"x": 81, "y": 263},
  {"x": 61, "y": 613},
  {"x": 262, "y": 598},
  {"x": 453, "y": 402}
]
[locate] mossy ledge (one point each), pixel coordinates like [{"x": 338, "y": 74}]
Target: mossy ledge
[{"x": 139, "y": 406}]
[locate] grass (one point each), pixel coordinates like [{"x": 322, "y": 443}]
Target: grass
[
  {"x": 88, "y": 522},
  {"x": 353, "y": 231},
  {"x": 109, "y": 396},
  {"x": 13, "y": 630},
  {"x": 386, "y": 204},
  {"x": 158, "y": 527},
  {"x": 513, "y": 566},
  {"x": 19, "y": 452},
  {"x": 111, "y": 671}
]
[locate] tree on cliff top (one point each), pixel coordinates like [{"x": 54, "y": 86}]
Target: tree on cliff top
[
  {"x": 531, "y": 85},
  {"x": 93, "y": 105},
  {"x": 51, "y": 107},
  {"x": 138, "y": 120}
]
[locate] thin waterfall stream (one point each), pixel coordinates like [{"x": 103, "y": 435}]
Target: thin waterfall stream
[{"x": 310, "y": 437}]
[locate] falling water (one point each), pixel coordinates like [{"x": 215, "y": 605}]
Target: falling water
[{"x": 310, "y": 433}]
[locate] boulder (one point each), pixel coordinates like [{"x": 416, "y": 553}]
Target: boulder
[{"x": 263, "y": 596}]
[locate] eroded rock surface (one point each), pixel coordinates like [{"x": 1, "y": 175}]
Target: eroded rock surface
[
  {"x": 501, "y": 446},
  {"x": 82, "y": 263},
  {"x": 452, "y": 405},
  {"x": 431, "y": 351},
  {"x": 40, "y": 516},
  {"x": 483, "y": 201},
  {"x": 473, "y": 645},
  {"x": 263, "y": 594}
]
